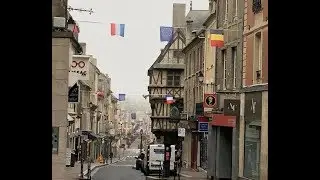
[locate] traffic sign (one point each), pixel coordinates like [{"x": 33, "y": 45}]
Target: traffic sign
[
  {"x": 210, "y": 101},
  {"x": 203, "y": 126},
  {"x": 181, "y": 132}
]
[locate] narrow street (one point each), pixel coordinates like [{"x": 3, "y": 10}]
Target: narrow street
[
  {"x": 119, "y": 171},
  {"x": 122, "y": 170}
]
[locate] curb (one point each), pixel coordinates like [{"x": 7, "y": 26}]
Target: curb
[
  {"x": 201, "y": 169},
  {"x": 102, "y": 165}
]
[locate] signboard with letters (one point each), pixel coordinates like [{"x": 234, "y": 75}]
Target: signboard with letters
[
  {"x": 253, "y": 106},
  {"x": 223, "y": 120},
  {"x": 231, "y": 107},
  {"x": 79, "y": 67},
  {"x": 181, "y": 132},
  {"x": 73, "y": 95},
  {"x": 209, "y": 102},
  {"x": 203, "y": 126}
]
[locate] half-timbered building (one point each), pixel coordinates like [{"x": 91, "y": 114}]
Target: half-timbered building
[{"x": 166, "y": 79}]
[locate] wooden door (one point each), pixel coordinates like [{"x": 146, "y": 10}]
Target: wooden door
[{"x": 194, "y": 150}]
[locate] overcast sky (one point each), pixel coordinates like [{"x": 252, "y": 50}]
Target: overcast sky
[{"x": 126, "y": 60}]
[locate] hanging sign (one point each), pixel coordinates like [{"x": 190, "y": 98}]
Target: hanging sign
[{"x": 73, "y": 95}]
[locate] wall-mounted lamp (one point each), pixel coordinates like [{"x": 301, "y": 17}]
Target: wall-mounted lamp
[{"x": 200, "y": 77}]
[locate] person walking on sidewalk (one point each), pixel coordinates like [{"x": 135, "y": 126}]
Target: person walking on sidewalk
[{"x": 111, "y": 156}]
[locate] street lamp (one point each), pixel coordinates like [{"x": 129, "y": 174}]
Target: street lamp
[
  {"x": 200, "y": 77},
  {"x": 141, "y": 133}
]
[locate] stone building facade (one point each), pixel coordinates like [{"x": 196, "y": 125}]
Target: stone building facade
[
  {"x": 63, "y": 46},
  {"x": 253, "y": 151},
  {"x": 227, "y": 84}
]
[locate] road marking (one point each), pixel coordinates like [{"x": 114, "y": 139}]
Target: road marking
[
  {"x": 184, "y": 175},
  {"x": 125, "y": 165},
  {"x": 153, "y": 177}
]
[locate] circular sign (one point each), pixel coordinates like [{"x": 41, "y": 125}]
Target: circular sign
[{"x": 210, "y": 100}]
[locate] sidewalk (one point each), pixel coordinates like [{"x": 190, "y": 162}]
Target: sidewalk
[
  {"x": 190, "y": 173},
  {"x": 73, "y": 173},
  {"x": 185, "y": 174}
]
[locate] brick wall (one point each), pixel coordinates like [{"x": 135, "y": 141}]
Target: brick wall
[{"x": 254, "y": 23}]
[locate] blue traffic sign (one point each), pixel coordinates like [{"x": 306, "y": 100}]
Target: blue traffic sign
[{"x": 203, "y": 126}]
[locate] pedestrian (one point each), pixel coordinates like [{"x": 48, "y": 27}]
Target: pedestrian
[{"x": 111, "y": 156}]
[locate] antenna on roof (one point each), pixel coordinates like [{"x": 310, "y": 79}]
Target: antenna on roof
[
  {"x": 190, "y": 5},
  {"x": 90, "y": 11}
]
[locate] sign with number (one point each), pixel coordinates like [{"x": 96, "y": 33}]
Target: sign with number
[{"x": 181, "y": 132}]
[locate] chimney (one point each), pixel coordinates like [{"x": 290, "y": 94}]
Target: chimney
[
  {"x": 84, "y": 47},
  {"x": 179, "y": 11},
  {"x": 189, "y": 30}
]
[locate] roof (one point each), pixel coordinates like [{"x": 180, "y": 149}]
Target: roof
[
  {"x": 82, "y": 82},
  {"x": 194, "y": 40},
  {"x": 197, "y": 17},
  {"x": 176, "y": 35}
]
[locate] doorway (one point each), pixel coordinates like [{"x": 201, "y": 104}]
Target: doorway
[
  {"x": 194, "y": 150},
  {"x": 224, "y": 155}
]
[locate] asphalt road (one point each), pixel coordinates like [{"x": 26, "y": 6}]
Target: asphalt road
[
  {"x": 119, "y": 171},
  {"x": 122, "y": 170}
]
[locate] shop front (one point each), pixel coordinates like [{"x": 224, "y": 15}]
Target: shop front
[{"x": 252, "y": 135}]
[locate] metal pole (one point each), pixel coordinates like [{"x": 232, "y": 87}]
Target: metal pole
[
  {"x": 81, "y": 157},
  {"x": 141, "y": 143},
  {"x": 110, "y": 150}
]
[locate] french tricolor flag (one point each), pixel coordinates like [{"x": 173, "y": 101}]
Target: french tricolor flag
[
  {"x": 117, "y": 29},
  {"x": 169, "y": 100}
]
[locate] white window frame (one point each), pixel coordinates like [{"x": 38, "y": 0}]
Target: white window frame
[
  {"x": 257, "y": 57},
  {"x": 224, "y": 83},
  {"x": 235, "y": 18},
  {"x": 234, "y": 60},
  {"x": 226, "y": 12}
]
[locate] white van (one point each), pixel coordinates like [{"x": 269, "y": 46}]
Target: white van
[{"x": 154, "y": 158}]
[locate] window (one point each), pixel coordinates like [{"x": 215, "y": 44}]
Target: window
[
  {"x": 212, "y": 6},
  {"x": 235, "y": 10},
  {"x": 201, "y": 58},
  {"x": 252, "y": 146},
  {"x": 226, "y": 12},
  {"x": 257, "y": 62},
  {"x": 224, "y": 62},
  {"x": 173, "y": 78},
  {"x": 234, "y": 66},
  {"x": 193, "y": 61},
  {"x": 158, "y": 151},
  {"x": 189, "y": 64},
  {"x": 198, "y": 59},
  {"x": 256, "y": 6}
]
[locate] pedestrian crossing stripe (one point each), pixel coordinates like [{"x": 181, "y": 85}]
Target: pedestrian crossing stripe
[{"x": 118, "y": 165}]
